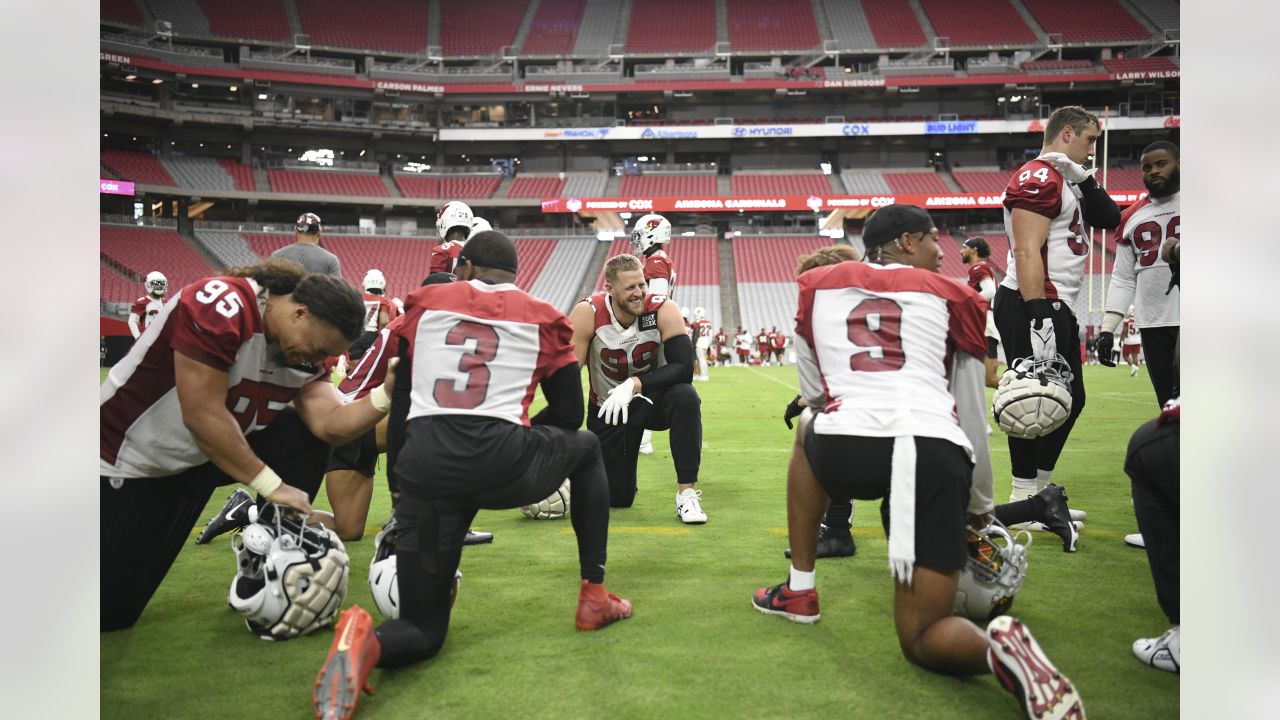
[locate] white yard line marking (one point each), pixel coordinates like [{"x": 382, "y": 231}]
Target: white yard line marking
[{"x": 774, "y": 379}]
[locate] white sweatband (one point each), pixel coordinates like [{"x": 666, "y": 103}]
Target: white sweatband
[
  {"x": 266, "y": 482},
  {"x": 1110, "y": 321},
  {"x": 380, "y": 399}
]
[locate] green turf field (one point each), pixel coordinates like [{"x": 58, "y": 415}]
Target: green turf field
[{"x": 694, "y": 647}]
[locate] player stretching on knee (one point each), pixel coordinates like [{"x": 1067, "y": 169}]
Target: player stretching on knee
[
  {"x": 892, "y": 354},
  {"x": 640, "y": 365}
]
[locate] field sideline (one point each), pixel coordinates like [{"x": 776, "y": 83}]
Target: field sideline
[{"x": 694, "y": 648}]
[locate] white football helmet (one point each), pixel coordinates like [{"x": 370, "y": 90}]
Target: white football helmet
[
  {"x": 649, "y": 231},
  {"x": 479, "y": 225},
  {"x": 684, "y": 313},
  {"x": 383, "y": 578},
  {"x": 699, "y": 313},
  {"x": 156, "y": 283},
  {"x": 554, "y": 507},
  {"x": 993, "y": 573},
  {"x": 291, "y": 577},
  {"x": 374, "y": 281},
  {"x": 1033, "y": 398},
  {"x": 451, "y": 215}
]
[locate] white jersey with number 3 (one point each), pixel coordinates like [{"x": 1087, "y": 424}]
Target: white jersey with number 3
[
  {"x": 1038, "y": 187},
  {"x": 875, "y": 349}
]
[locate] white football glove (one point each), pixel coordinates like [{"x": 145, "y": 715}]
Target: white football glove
[
  {"x": 1044, "y": 344},
  {"x": 1075, "y": 174},
  {"x": 617, "y": 405}
]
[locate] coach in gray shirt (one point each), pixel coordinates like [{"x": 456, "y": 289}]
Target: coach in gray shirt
[{"x": 307, "y": 250}]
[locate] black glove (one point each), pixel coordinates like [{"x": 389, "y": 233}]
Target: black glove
[
  {"x": 1173, "y": 278},
  {"x": 794, "y": 408},
  {"x": 1106, "y": 342}
]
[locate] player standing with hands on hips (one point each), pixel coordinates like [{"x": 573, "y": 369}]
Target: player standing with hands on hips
[{"x": 1045, "y": 203}]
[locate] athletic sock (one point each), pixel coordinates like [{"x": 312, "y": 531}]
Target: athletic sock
[
  {"x": 1019, "y": 512},
  {"x": 801, "y": 580},
  {"x": 1042, "y": 479},
  {"x": 1023, "y": 488}
]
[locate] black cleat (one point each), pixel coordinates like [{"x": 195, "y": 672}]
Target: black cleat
[
  {"x": 233, "y": 516},
  {"x": 832, "y": 543},
  {"x": 477, "y": 538},
  {"x": 1057, "y": 516}
]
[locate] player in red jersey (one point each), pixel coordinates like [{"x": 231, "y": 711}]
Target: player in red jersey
[
  {"x": 870, "y": 335},
  {"x": 777, "y": 343},
  {"x": 453, "y": 224},
  {"x": 650, "y": 236},
  {"x": 472, "y": 353},
  {"x": 722, "y": 348},
  {"x": 148, "y": 306},
  {"x": 763, "y": 346},
  {"x": 1044, "y": 204},
  {"x": 982, "y": 277},
  {"x": 230, "y": 384},
  {"x": 640, "y": 364}
]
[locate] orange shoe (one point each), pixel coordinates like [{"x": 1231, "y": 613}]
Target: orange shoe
[
  {"x": 352, "y": 656},
  {"x": 598, "y": 607}
]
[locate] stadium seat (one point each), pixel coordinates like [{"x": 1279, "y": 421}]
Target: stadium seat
[
  {"x": 925, "y": 181},
  {"x": 781, "y": 184},
  {"x": 241, "y": 174},
  {"x": 585, "y": 185},
  {"x": 978, "y": 22},
  {"x": 772, "y": 25},
  {"x": 255, "y": 19},
  {"x": 1090, "y": 21},
  {"x": 659, "y": 26},
  {"x": 115, "y": 287},
  {"x": 143, "y": 249},
  {"x": 669, "y": 185},
  {"x": 124, "y": 12},
  {"x": 848, "y": 26},
  {"x": 554, "y": 28},
  {"x": 198, "y": 172},
  {"x": 1044, "y": 66},
  {"x": 562, "y": 272},
  {"x": 765, "y": 270},
  {"x": 952, "y": 265},
  {"x": 893, "y": 23},
  {"x": 464, "y": 31},
  {"x": 469, "y": 186},
  {"x": 1164, "y": 14},
  {"x": 981, "y": 181},
  {"x": 383, "y": 26},
  {"x": 418, "y": 186},
  {"x": 326, "y": 182},
  {"x": 865, "y": 182},
  {"x": 139, "y": 167},
  {"x": 537, "y": 186},
  {"x": 1151, "y": 64},
  {"x": 1126, "y": 179}
]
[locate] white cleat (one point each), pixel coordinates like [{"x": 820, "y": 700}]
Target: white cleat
[
  {"x": 1135, "y": 540},
  {"x": 689, "y": 507},
  {"x": 646, "y": 443},
  {"x": 1164, "y": 652},
  {"x": 1022, "y": 668}
]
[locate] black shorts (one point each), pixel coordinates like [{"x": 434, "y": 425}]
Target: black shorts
[
  {"x": 857, "y": 467},
  {"x": 360, "y": 455},
  {"x": 993, "y": 346}
]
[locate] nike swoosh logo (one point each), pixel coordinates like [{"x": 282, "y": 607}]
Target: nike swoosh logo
[
  {"x": 344, "y": 642},
  {"x": 232, "y": 513},
  {"x": 1033, "y": 192}
]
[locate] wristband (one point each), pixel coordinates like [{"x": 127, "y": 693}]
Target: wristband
[
  {"x": 380, "y": 400},
  {"x": 1039, "y": 309},
  {"x": 266, "y": 482}
]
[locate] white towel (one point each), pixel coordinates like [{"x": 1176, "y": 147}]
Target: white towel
[{"x": 902, "y": 509}]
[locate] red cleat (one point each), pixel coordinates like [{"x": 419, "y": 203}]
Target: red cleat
[
  {"x": 800, "y": 606},
  {"x": 352, "y": 656},
  {"x": 598, "y": 607}
]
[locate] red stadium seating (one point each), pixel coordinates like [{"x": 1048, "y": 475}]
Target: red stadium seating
[
  {"x": 143, "y": 249},
  {"x": 696, "y": 259},
  {"x": 536, "y": 187},
  {"x": 982, "y": 181},
  {"x": 893, "y": 23},
  {"x": 533, "y": 255},
  {"x": 471, "y": 29},
  {"x": 555, "y": 27},
  {"x": 326, "y": 182},
  {"x": 772, "y": 25},
  {"x": 114, "y": 287},
  {"x": 139, "y": 167},
  {"x": 978, "y": 22},
  {"x": 1123, "y": 179},
  {"x": 121, "y": 11},
  {"x": 469, "y": 186},
  {"x": 669, "y": 185},
  {"x": 790, "y": 184},
  {"x": 771, "y": 259},
  {"x": 257, "y": 19},
  {"x": 384, "y": 25},
  {"x": 916, "y": 182},
  {"x": 1151, "y": 64},
  {"x": 952, "y": 265},
  {"x": 240, "y": 173},
  {"x": 672, "y": 26},
  {"x": 1087, "y": 20},
  {"x": 418, "y": 186},
  {"x": 1033, "y": 66}
]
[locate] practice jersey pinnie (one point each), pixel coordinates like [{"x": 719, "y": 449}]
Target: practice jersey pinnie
[
  {"x": 146, "y": 308},
  {"x": 1039, "y": 188},
  {"x": 1130, "y": 333},
  {"x": 216, "y": 321},
  {"x": 658, "y": 266},
  {"x": 1140, "y": 276},
  {"x": 979, "y": 271},
  {"x": 876, "y": 343},
  {"x": 444, "y": 257},
  {"x": 374, "y": 306},
  {"x": 480, "y": 349},
  {"x": 617, "y": 353}
]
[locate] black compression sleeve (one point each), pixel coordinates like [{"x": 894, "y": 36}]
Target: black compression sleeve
[
  {"x": 679, "y": 368},
  {"x": 1100, "y": 211},
  {"x": 399, "y": 415},
  {"x": 563, "y": 391}
]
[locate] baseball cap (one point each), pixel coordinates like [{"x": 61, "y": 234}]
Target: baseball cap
[
  {"x": 889, "y": 222},
  {"x": 308, "y": 223}
]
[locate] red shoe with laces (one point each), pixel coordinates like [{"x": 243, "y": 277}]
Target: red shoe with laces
[{"x": 598, "y": 607}]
